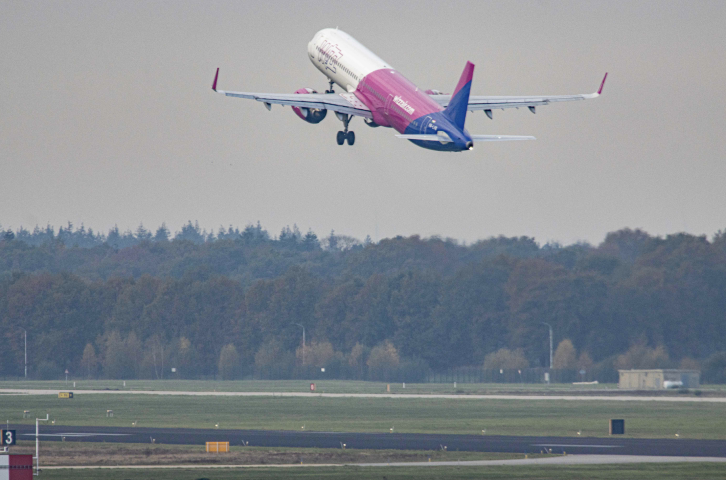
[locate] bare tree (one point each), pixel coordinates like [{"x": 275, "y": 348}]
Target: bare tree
[{"x": 89, "y": 360}]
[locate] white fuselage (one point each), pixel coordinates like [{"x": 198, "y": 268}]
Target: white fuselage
[{"x": 342, "y": 58}]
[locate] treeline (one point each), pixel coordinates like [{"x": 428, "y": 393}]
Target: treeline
[
  {"x": 232, "y": 304},
  {"x": 87, "y": 238}
]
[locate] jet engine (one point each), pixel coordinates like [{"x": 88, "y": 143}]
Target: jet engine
[{"x": 310, "y": 115}]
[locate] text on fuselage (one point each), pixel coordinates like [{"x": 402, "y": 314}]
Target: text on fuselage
[
  {"x": 329, "y": 55},
  {"x": 402, "y": 103}
]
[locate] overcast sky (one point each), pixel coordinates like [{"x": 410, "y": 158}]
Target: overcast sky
[{"x": 107, "y": 117}]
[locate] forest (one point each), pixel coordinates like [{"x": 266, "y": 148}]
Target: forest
[{"x": 233, "y": 304}]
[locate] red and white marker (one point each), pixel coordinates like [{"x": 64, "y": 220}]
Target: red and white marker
[{"x": 16, "y": 467}]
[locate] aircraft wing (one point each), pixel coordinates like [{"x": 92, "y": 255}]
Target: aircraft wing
[
  {"x": 346, "y": 103},
  {"x": 490, "y": 103}
]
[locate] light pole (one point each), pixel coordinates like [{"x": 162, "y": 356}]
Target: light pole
[
  {"x": 26, "y": 351},
  {"x": 545, "y": 323},
  {"x": 303, "y": 349}
]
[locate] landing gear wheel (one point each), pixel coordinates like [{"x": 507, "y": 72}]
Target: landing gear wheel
[{"x": 345, "y": 134}]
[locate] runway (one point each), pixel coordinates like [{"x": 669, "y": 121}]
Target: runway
[
  {"x": 400, "y": 396},
  {"x": 562, "y": 460},
  {"x": 383, "y": 441}
]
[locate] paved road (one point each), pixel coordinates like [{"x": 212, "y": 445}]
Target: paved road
[
  {"x": 606, "y": 398},
  {"x": 559, "y": 460},
  {"x": 563, "y": 460},
  {"x": 395, "y": 441}
]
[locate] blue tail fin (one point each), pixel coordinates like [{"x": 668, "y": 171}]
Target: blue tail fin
[{"x": 456, "y": 110}]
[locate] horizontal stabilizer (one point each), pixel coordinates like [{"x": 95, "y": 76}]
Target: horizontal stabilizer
[
  {"x": 499, "y": 138},
  {"x": 476, "y": 138},
  {"x": 431, "y": 138}
]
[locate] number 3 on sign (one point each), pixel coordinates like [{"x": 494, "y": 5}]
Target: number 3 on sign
[{"x": 7, "y": 437}]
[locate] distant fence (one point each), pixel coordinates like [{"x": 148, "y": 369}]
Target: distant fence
[
  {"x": 416, "y": 374},
  {"x": 412, "y": 372},
  {"x": 524, "y": 375}
]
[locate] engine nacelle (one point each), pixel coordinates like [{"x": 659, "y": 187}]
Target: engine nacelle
[{"x": 310, "y": 115}]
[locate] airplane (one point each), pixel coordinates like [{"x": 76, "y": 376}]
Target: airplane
[{"x": 383, "y": 97}]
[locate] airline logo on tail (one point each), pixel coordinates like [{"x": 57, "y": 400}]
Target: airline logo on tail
[{"x": 456, "y": 110}]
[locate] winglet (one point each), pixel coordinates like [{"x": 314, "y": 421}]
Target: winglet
[
  {"x": 603, "y": 83},
  {"x": 214, "y": 85}
]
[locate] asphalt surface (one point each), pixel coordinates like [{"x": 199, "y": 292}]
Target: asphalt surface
[
  {"x": 611, "y": 397},
  {"x": 381, "y": 441},
  {"x": 558, "y": 460}
]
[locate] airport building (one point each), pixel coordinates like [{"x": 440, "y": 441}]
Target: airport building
[{"x": 657, "y": 379}]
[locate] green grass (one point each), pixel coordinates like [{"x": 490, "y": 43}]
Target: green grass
[
  {"x": 456, "y": 416},
  {"x": 328, "y": 386},
  {"x": 703, "y": 471},
  {"x": 337, "y": 386},
  {"x": 101, "y": 453}
]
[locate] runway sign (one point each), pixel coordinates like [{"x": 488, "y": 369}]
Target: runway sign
[
  {"x": 16, "y": 467},
  {"x": 217, "y": 447},
  {"x": 7, "y": 437},
  {"x": 65, "y": 394},
  {"x": 617, "y": 427}
]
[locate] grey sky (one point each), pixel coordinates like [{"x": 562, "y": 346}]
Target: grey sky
[{"x": 107, "y": 117}]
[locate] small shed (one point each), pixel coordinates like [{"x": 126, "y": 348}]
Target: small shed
[{"x": 658, "y": 378}]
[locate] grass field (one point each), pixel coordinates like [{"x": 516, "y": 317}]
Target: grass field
[
  {"x": 455, "y": 416},
  {"x": 104, "y": 454},
  {"x": 703, "y": 471},
  {"x": 345, "y": 386},
  {"x": 327, "y": 386}
]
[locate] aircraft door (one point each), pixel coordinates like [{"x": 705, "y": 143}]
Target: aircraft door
[{"x": 389, "y": 100}]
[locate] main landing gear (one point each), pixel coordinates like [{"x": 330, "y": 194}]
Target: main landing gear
[
  {"x": 345, "y": 118},
  {"x": 345, "y": 134}
]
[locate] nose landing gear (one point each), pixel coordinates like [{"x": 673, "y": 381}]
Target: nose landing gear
[{"x": 345, "y": 134}]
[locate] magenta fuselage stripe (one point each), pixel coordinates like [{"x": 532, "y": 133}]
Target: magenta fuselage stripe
[{"x": 394, "y": 100}]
